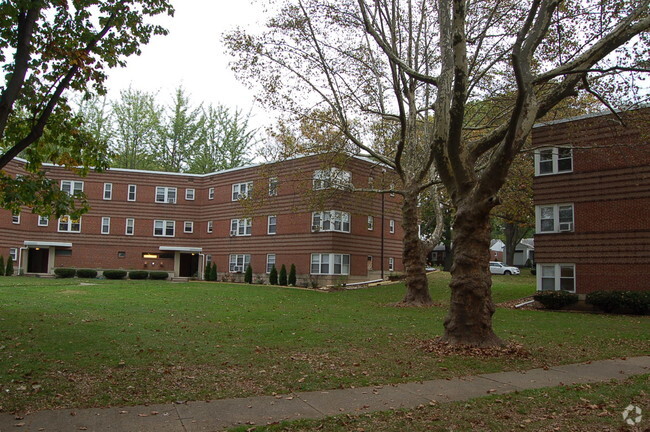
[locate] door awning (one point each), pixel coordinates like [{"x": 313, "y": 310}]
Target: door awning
[
  {"x": 182, "y": 249},
  {"x": 29, "y": 243}
]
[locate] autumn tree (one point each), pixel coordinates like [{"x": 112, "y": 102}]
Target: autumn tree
[{"x": 420, "y": 63}]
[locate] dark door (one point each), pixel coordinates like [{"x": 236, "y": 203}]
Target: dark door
[
  {"x": 37, "y": 260},
  {"x": 189, "y": 265}
]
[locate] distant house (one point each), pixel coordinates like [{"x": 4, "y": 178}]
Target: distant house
[
  {"x": 592, "y": 203},
  {"x": 524, "y": 252},
  {"x": 497, "y": 249}
]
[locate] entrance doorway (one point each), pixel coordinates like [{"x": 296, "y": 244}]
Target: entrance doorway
[
  {"x": 189, "y": 265},
  {"x": 37, "y": 260}
]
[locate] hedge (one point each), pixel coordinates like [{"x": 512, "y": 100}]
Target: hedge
[
  {"x": 65, "y": 272},
  {"x": 637, "y": 302},
  {"x": 86, "y": 273},
  {"x": 138, "y": 274},
  {"x": 115, "y": 274},
  {"x": 555, "y": 299},
  {"x": 158, "y": 275}
]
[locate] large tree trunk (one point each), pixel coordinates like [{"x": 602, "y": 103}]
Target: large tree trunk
[
  {"x": 417, "y": 284},
  {"x": 470, "y": 313}
]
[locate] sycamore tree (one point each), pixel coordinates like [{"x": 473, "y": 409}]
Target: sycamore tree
[
  {"x": 49, "y": 49},
  {"x": 420, "y": 64}
]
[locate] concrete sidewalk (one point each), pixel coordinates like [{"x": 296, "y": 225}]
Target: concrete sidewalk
[{"x": 221, "y": 414}]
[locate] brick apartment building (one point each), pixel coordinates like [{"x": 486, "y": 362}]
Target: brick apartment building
[
  {"x": 592, "y": 203},
  {"x": 299, "y": 211}
]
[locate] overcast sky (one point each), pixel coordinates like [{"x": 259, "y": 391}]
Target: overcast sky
[{"x": 192, "y": 55}]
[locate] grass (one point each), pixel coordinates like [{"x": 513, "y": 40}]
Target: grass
[
  {"x": 64, "y": 343},
  {"x": 583, "y": 408}
]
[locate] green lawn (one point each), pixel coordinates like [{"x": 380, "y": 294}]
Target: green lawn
[{"x": 67, "y": 344}]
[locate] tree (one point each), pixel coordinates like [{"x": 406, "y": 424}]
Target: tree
[
  {"x": 206, "y": 271},
  {"x": 292, "y": 275},
  {"x": 10, "y": 266},
  {"x": 2, "y": 265},
  {"x": 282, "y": 280},
  {"x": 48, "y": 48},
  {"x": 248, "y": 276},
  {"x": 273, "y": 276},
  {"x": 419, "y": 65},
  {"x": 213, "y": 272}
]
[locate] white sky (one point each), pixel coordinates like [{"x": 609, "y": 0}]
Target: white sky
[{"x": 192, "y": 55}]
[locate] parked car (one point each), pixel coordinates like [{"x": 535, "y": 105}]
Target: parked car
[{"x": 502, "y": 269}]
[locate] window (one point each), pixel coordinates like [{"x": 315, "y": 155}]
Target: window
[
  {"x": 272, "y": 225},
  {"x": 106, "y": 225},
  {"x": 189, "y": 194},
  {"x": 188, "y": 227},
  {"x": 371, "y": 223},
  {"x": 554, "y": 218},
  {"x": 164, "y": 228},
  {"x": 556, "y": 277},
  {"x": 211, "y": 193},
  {"x": 166, "y": 194},
  {"x": 241, "y": 190},
  {"x": 239, "y": 262},
  {"x": 43, "y": 221},
  {"x": 121, "y": 254},
  {"x": 273, "y": 186},
  {"x": 209, "y": 229},
  {"x": 241, "y": 227},
  {"x": 391, "y": 226},
  {"x": 332, "y": 178},
  {"x": 67, "y": 224},
  {"x": 132, "y": 192},
  {"x": 13, "y": 253},
  {"x": 130, "y": 226},
  {"x": 108, "y": 191},
  {"x": 553, "y": 161},
  {"x": 392, "y": 189},
  {"x": 391, "y": 264},
  {"x": 72, "y": 187},
  {"x": 330, "y": 264},
  {"x": 270, "y": 262},
  {"x": 15, "y": 219},
  {"x": 330, "y": 220}
]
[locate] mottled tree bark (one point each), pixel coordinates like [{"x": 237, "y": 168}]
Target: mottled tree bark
[{"x": 417, "y": 284}]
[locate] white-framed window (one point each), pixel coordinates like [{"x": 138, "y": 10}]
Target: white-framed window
[
  {"x": 330, "y": 220},
  {"x": 241, "y": 227},
  {"x": 371, "y": 223},
  {"x": 189, "y": 194},
  {"x": 241, "y": 190},
  {"x": 553, "y": 160},
  {"x": 238, "y": 263},
  {"x": 391, "y": 264},
  {"x": 13, "y": 253},
  {"x": 391, "y": 226},
  {"x": 164, "y": 228},
  {"x": 129, "y": 227},
  {"x": 210, "y": 225},
  {"x": 188, "y": 227},
  {"x": 43, "y": 220},
  {"x": 392, "y": 189},
  {"x": 165, "y": 194},
  {"x": 554, "y": 218},
  {"x": 273, "y": 186},
  {"x": 211, "y": 193},
  {"x": 272, "y": 225},
  {"x": 15, "y": 219},
  {"x": 133, "y": 189},
  {"x": 108, "y": 191},
  {"x": 330, "y": 264},
  {"x": 67, "y": 224},
  {"x": 556, "y": 277},
  {"x": 72, "y": 187},
  {"x": 332, "y": 178},
  {"x": 106, "y": 225},
  {"x": 270, "y": 262}
]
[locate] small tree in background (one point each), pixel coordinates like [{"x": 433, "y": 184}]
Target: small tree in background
[
  {"x": 292, "y": 275},
  {"x": 2, "y": 265},
  {"x": 213, "y": 272},
  {"x": 248, "y": 277},
  {"x": 207, "y": 272},
  {"x": 283, "y": 275},
  {"x": 10, "y": 267},
  {"x": 273, "y": 276}
]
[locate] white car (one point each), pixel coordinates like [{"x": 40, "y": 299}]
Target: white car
[{"x": 502, "y": 269}]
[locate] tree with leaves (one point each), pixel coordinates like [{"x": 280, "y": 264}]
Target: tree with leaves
[
  {"x": 273, "y": 275},
  {"x": 291, "y": 280},
  {"x": 248, "y": 276},
  {"x": 282, "y": 279},
  {"x": 213, "y": 272},
  {"x": 2, "y": 265},
  {"x": 419, "y": 64},
  {"x": 10, "y": 266},
  {"x": 206, "y": 271}
]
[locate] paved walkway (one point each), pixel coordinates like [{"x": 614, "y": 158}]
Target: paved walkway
[{"x": 221, "y": 414}]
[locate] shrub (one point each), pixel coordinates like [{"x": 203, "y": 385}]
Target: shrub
[
  {"x": 213, "y": 272},
  {"x": 2, "y": 265},
  {"x": 114, "y": 274},
  {"x": 292, "y": 275},
  {"x": 138, "y": 274},
  {"x": 273, "y": 276},
  {"x": 158, "y": 275},
  {"x": 10, "y": 266},
  {"x": 206, "y": 271},
  {"x": 555, "y": 299},
  {"x": 65, "y": 272},
  {"x": 607, "y": 301},
  {"x": 638, "y": 302},
  {"x": 282, "y": 280},
  {"x": 86, "y": 273},
  {"x": 248, "y": 277}
]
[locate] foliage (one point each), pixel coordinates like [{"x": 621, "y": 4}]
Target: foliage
[
  {"x": 86, "y": 273},
  {"x": 10, "y": 266},
  {"x": 292, "y": 275},
  {"x": 158, "y": 275},
  {"x": 213, "y": 272},
  {"x": 556, "y": 299},
  {"x": 206, "y": 271},
  {"x": 65, "y": 273},
  {"x": 114, "y": 274},
  {"x": 138, "y": 274},
  {"x": 2, "y": 265},
  {"x": 637, "y": 302},
  {"x": 282, "y": 279},
  {"x": 248, "y": 276},
  {"x": 273, "y": 275}
]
